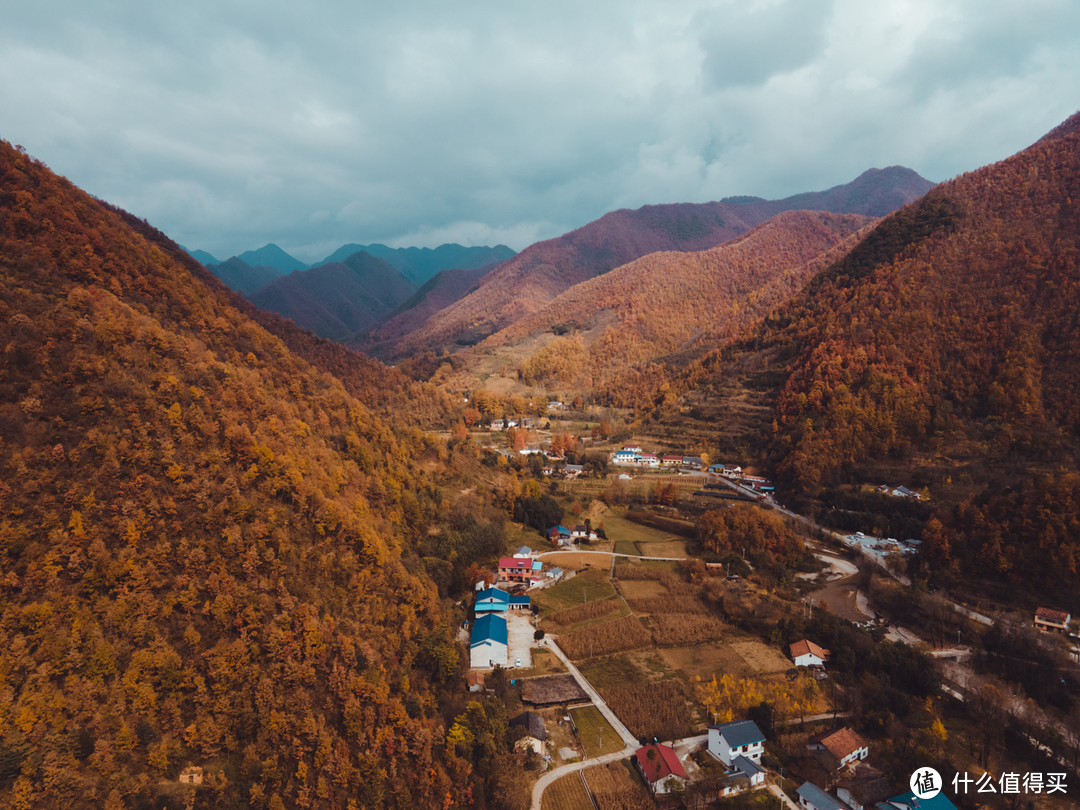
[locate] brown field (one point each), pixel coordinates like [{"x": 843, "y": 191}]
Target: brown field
[
  {"x": 665, "y": 548},
  {"x": 762, "y": 658},
  {"x": 577, "y": 560},
  {"x": 615, "y": 788},
  {"x": 705, "y": 660},
  {"x": 626, "y": 633},
  {"x": 653, "y": 707},
  {"x": 665, "y": 604},
  {"x": 642, "y": 588},
  {"x": 567, "y": 793},
  {"x": 679, "y": 629},
  {"x": 581, "y": 613},
  {"x": 626, "y": 571}
]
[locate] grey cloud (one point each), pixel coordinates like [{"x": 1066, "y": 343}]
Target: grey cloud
[{"x": 229, "y": 125}]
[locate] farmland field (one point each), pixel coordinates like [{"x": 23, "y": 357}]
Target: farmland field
[
  {"x": 626, "y": 633},
  {"x": 576, "y": 560},
  {"x": 615, "y": 787},
  {"x": 663, "y": 548},
  {"x": 595, "y": 733},
  {"x": 705, "y": 660},
  {"x": 567, "y": 793},
  {"x": 641, "y": 588},
  {"x": 586, "y": 586},
  {"x": 760, "y": 657}
]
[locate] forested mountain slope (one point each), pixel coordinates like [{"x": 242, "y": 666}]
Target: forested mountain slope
[
  {"x": 542, "y": 271},
  {"x": 204, "y": 541},
  {"x": 948, "y": 340},
  {"x": 663, "y": 302}
]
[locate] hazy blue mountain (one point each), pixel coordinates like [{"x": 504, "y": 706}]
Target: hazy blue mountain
[
  {"x": 422, "y": 264},
  {"x": 201, "y": 256},
  {"x": 236, "y": 274},
  {"x": 338, "y": 299},
  {"x": 272, "y": 256}
]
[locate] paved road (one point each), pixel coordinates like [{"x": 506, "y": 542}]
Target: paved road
[
  {"x": 783, "y": 797},
  {"x": 682, "y": 748},
  {"x": 609, "y": 715},
  {"x": 612, "y": 554}
]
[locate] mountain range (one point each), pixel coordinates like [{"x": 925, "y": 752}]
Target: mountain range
[{"x": 522, "y": 285}]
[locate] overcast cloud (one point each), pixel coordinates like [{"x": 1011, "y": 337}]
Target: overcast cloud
[{"x": 232, "y": 123}]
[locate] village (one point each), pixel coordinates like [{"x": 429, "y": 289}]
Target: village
[{"x": 638, "y": 674}]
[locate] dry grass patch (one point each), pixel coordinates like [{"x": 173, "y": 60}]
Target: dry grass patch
[
  {"x": 652, "y": 707},
  {"x": 761, "y": 658},
  {"x": 577, "y": 560},
  {"x": 614, "y": 787},
  {"x": 626, "y": 633},
  {"x": 642, "y": 588},
  {"x": 665, "y": 548},
  {"x": 704, "y": 660},
  {"x": 679, "y": 629}
]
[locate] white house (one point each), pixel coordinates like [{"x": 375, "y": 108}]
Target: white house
[
  {"x": 660, "y": 768},
  {"x": 841, "y": 747},
  {"x": 523, "y": 552},
  {"x": 808, "y": 654},
  {"x": 728, "y": 741},
  {"x": 489, "y": 642},
  {"x": 744, "y": 774}
]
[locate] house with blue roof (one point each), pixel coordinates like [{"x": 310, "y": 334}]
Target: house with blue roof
[
  {"x": 744, "y": 774},
  {"x": 908, "y": 801},
  {"x": 521, "y": 602},
  {"x": 492, "y": 599},
  {"x": 728, "y": 741},
  {"x": 489, "y": 642}
]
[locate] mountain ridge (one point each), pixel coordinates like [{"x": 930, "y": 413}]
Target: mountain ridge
[{"x": 542, "y": 271}]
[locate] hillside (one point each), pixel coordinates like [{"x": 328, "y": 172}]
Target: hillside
[
  {"x": 337, "y": 300},
  {"x": 205, "y": 541},
  {"x": 614, "y": 326},
  {"x": 944, "y": 349},
  {"x": 542, "y": 271},
  {"x": 236, "y": 274},
  {"x": 438, "y": 293},
  {"x": 420, "y": 265}
]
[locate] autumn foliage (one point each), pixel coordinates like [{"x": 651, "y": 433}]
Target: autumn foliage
[{"x": 205, "y": 541}]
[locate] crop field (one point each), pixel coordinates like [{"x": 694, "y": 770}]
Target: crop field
[
  {"x": 665, "y": 548},
  {"x": 705, "y": 660},
  {"x": 663, "y": 604},
  {"x": 652, "y": 707},
  {"x": 761, "y": 658},
  {"x": 576, "y": 560},
  {"x": 614, "y": 787},
  {"x": 581, "y": 613},
  {"x": 679, "y": 629},
  {"x": 642, "y": 588},
  {"x": 585, "y": 587},
  {"x": 626, "y": 633},
  {"x": 595, "y": 733},
  {"x": 567, "y": 793}
]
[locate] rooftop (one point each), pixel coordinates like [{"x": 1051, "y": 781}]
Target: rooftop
[
  {"x": 740, "y": 732},
  {"x": 658, "y": 761},
  {"x": 818, "y": 797}
]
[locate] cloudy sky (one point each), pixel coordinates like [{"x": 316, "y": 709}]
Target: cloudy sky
[{"x": 232, "y": 123}]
